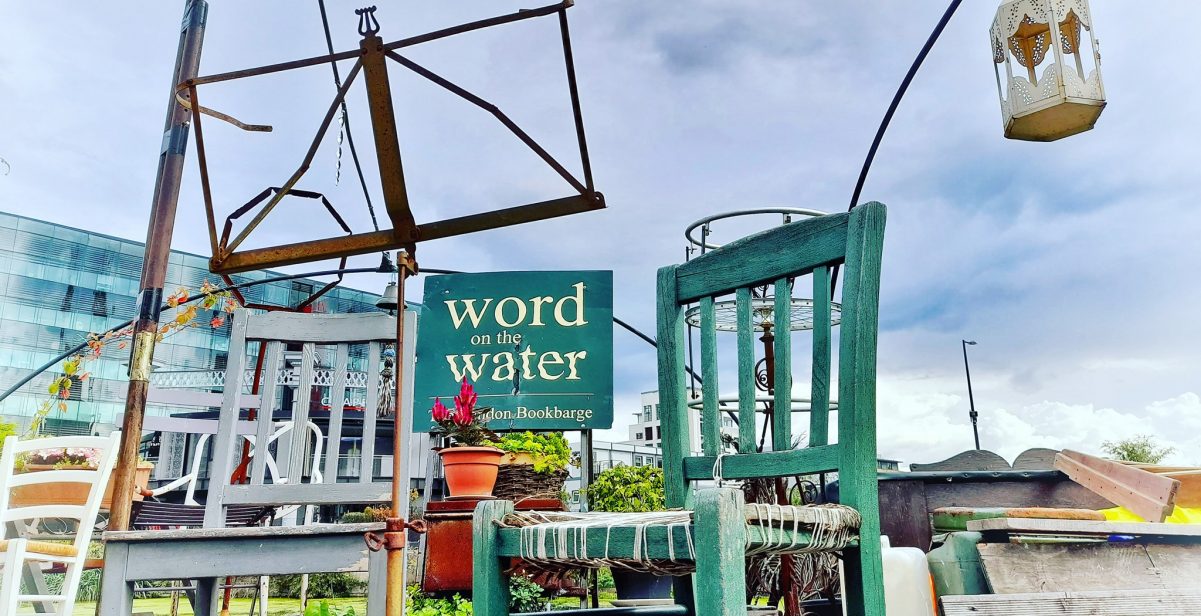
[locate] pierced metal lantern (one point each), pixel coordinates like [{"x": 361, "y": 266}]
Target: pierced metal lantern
[{"x": 1067, "y": 97}]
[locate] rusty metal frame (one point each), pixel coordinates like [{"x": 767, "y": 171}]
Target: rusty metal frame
[{"x": 370, "y": 59}]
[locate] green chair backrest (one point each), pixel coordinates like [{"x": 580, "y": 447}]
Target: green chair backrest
[{"x": 783, "y": 257}]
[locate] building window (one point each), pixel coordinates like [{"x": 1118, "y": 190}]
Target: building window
[
  {"x": 575, "y": 497},
  {"x": 650, "y": 434},
  {"x": 658, "y": 432},
  {"x": 638, "y": 436},
  {"x": 637, "y": 460}
]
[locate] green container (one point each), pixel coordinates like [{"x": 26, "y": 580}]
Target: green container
[{"x": 955, "y": 566}]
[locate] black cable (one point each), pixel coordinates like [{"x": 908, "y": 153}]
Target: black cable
[
  {"x": 892, "y": 109},
  {"x": 354, "y": 153}
]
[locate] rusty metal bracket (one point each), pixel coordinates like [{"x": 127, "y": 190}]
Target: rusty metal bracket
[
  {"x": 370, "y": 60},
  {"x": 393, "y": 537}
]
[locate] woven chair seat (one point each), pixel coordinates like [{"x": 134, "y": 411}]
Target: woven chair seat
[
  {"x": 558, "y": 539},
  {"x": 47, "y": 548}
]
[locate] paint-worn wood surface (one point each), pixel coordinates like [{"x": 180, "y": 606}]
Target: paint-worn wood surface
[
  {"x": 490, "y": 587},
  {"x": 209, "y": 554},
  {"x": 720, "y": 558},
  {"x": 1146, "y": 531},
  {"x": 1017, "y": 568},
  {"x": 1094, "y": 603},
  {"x": 1148, "y": 495},
  {"x": 779, "y": 258},
  {"x": 971, "y": 460},
  {"x": 1035, "y": 459}
]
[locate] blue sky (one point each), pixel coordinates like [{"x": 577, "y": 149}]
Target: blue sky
[{"x": 1071, "y": 262}]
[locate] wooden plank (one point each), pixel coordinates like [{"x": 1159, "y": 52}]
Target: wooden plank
[
  {"x": 903, "y": 514},
  {"x": 1086, "y": 527},
  {"x": 781, "y": 419},
  {"x": 309, "y": 494},
  {"x": 191, "y": 397},
  {"x": 746, "y": 372},
  {"x": 1016, "y": 568},
  {"x": 1035, "y": 459},
  {"x": 201, "y": 557},
  {"x": 1018, "y": 493},
  {"x": 266, "y": 417},
  {"x": 672, "y": 403},
  {"x": 371, "y": 412},
  {"x": 257, "y": 533},
  {"x": 864, "y": 568},
  {"x": 295, "y": 465},
  {"x": 490, "y": 586},
  {"x": 223, "y": 446},
  {"x": 787, "y": 250},
  {"x": 1148, "y": 495},
  {"x": 321, "y": 329},
  {"x": 1189, "y": 494},
  {"x": 971, "y": 460},
  {"x": 807, "y": 461},
  {"x": 819, "y": 397},
  {"x": 337, "y": 406},
  {"x": 710, "y": 421},
  {"x": 721, "y": 557},
  {"x": 1094, "y": 603}
]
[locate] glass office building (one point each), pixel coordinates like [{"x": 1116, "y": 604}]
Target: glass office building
[{"x": 59, "y": 283}]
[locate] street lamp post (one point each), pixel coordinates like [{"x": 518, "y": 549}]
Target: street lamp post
[{"x": 971, "y": 401}]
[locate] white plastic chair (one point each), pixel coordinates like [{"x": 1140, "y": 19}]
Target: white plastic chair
[
  {"x": 17, "y": 551},
  {"x": 282, "y": 428}
]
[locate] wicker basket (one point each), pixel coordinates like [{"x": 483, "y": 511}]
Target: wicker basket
[{"x": 517, "y": 481}]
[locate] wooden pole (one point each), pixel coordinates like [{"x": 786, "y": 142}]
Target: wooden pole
[
  {"x": 154, "y": 264},
  {"x": 396, "y": 534}
]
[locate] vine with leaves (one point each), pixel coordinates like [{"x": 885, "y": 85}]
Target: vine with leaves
[{"x": 187, "y": 310}]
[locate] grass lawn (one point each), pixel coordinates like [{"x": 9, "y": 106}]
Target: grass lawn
[
  {"x": 280, "y": 607},
  {"x": 237, "y": 607}
]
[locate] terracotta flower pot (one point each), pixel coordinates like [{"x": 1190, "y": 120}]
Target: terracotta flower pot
[
  {"x": 470, "y": 471},
  {"x": 70, "y": 493}
]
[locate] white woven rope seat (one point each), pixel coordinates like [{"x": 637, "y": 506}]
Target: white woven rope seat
[{"x": 554, "y": 540}]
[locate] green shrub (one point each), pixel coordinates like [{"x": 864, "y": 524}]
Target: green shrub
[
  {"x": 321, "y": 585},
  {"x": 549, "y": 450},
  {"x": 325, "y": 609},
  {"x": 420, "y": 604},
  {"x": 628, "y": 489},
  {"x": 525, "y": 595}
]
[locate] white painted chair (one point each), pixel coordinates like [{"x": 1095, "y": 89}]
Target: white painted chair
[
  {"x": 17, "y": 551},
  {"x": 281, "y": 429}
]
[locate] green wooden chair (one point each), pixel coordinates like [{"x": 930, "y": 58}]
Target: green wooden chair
[{"x": 717, "y": 530}]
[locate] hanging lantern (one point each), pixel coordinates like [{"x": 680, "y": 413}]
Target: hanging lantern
[{"x": 1052, "y": 84}]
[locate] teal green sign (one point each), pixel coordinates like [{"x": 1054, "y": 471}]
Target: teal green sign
[{"x": 537, "y": 347}]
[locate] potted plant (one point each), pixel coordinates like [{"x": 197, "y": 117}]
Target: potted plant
[
  {"x": 471, "y": 461},
  {"x": 632, "y": 489},
  {"x": 68, "y": 493},
  {"x": 534, "y": 465}
]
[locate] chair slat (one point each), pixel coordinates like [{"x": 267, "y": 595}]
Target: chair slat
[
  {"x": 806, "y": 461},
  {"x": 710, "y": 425},
  {"x": 746, "y": 372},
  {"x": 672, "y": 404},
  {"x": 337, "y": 405},
  {"x": 295, "y": 464},
  {"x": 781, "y": 430},
  {"x": 819, "y": 398},
  {"x": 227, "y": 422},
  {"x": 265, "y": 418},
  {"x": 788, "y": 250},
  {"x": 370, "y": 412}
]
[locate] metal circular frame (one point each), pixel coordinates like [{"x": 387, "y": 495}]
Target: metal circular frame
[
  {"x": 729, "y": 404},
  {"x": 762, "y": 311},
  {"x": 785, "y": 211}
]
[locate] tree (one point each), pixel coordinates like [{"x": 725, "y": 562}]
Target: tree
[{"x": 1139, "y": 448}]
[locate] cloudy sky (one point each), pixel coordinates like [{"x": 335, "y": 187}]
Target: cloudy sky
[{"x": 1072, "y": 263}]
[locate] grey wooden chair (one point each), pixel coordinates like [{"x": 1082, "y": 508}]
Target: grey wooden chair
[
  {"x": 214, "y": 551},
  {"x": 712, "y": 531}
]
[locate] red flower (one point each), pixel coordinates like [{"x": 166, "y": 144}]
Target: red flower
[
  {"x": 217, "y": 322},
  {"x": 440, "y": 412},
  {"x": 465, "y": 404}
]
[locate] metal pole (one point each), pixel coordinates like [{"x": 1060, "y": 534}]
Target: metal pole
[
  {"x": 971, "y": 400},
  {"x": 396, "y": 531},
  {"x": 587, "y": 462},
  {"x": 154, "y": 264}
]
